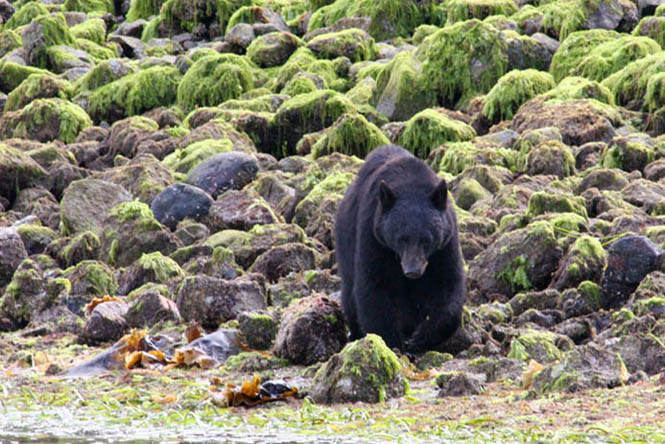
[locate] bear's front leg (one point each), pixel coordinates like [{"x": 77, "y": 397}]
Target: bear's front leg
[
  {"x": 376, "y": 314},
  {"x": 433, "y": 331}
]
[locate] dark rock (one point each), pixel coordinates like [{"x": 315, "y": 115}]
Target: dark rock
[
  {"x": 18, "y": 170},
  {"x": 153, "y": 267},
  {"x": 545, "y": 318},
  {"x": 12, "y": 253},
  {"x": 584, "y": 300},
  {"x": 61, "y": 175},
  {"x": 54, "y": 320},
  {"x": 211, "y": 301},
  {"x": 311, "y": 330},
  {"x": 232, "y": 170},
  {"x": 258, "y": 330},
  {"x": 132, "y": 47},
  {"x": 241, "y": 210},
  {"x": 459, "y": 384},
  {"x": 179, "y": 201},
  {"x": 299, "y": 285},
  {"x": 41, "y": 203},
  {"x": 365, "y": 370},
  {"x": 69, "y": 251},
  {"x": 272, "y": 49},
  {"x": 6, "y": 11},
  {"x": 88, "y": 280},
  {"x": 655, "y": 170},
  {"x": 26, "y": 294},
  {"x": 105, "y": 323},
  {"x": 151, "y": 307},
  {"x": 241, "y": 35},
  {"x": 190, "y": 232},
  {"x": 629, "y": 259},
  {"x": 131, "y": 29},
  {"x": 284, "y": 259},
  {"x": 639, "y": 352}
]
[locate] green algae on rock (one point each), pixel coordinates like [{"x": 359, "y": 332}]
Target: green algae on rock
[
  {"x": 26, "y": 14},
  {"x": 184, "y": 160},
  {"x": 134, "y": 93},
  {"x": 43, "y": 33},
  {"x": 351, "y": 134},
  {"x": 461, "y": 10},
  {"x": 143, "y": 9},
  {"x": 45, "y": 120},
  {"x": 272, "y": 49},
  {"x": 452, "y": 73},
  {"x": 214, "y": 79},
  {"x": 429, "y": 128},
  {"x": 90, "y": 6},
  {"x": 38, "y": 86},
  {"x": 365, "y": 370},
  {"x": 512, "y": 90},
  {"x": 597, "y": 53},
  {"x": 353, "y": 43}
]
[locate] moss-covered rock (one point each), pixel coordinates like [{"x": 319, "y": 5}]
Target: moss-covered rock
[
  {"x": 388, "y": 18},
  {"x": 353, "y": 43},
  {"x": 573, "y": 87},
  {"x": 25, "y": 295},
  {"x": 304, "y": 61},
  {"x": 429, "y": 128},
  {"x": 542, "y": 202},
  {"x": 134, "y": 94},
  {"x": 45, "y": 120},
  {"x": 143, "y": 9},
  {"x": 43, "y": 33},
  {"x": 584, "y": 262},
  {"x": 512, "y": 90},
  {"x": 637, "y": 85},
  {"x": 184, "y": 160},
  {"x": 454, "y": 158},
  {"x": 598, "y": 53},
  {"x": 652, "y": 27},
  {"x": 18, "y": 171},
  {"x": 150, "y": 267},
  {"x": 468, "y": 192},
  {"x": 365, "y": 370},
  {"x": 628, "y": 153},
  {"x": 521, "y": 259},
  {"x": 537, "y": 345},
  {"x": 13, "y": 74},
  {"x": 130, "y": 230},
  {"x": 9, "y": 41},
  {"x": 104, "y": 73},
  {"x": 453, "y": 74},
  {"x": 38, "y": 86},
  {"x": 551, "y": 157},
  {"x": 305, "y": 114},
  {"x": 461, "y": 10},
  {"x": 177, "y": 16},
  {"x": 92, "y": 29},
  {"x": 214, "y": 79},
  {"x": 351, "y": 134},
  {"x": 26, "y": 14},
  {"x": 400, "y": 88},
  {"x": 90, "y": 6},
  {"x": 272, "y": 49}
]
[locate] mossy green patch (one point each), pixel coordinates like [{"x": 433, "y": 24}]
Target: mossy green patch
[
  {"x": 574, "y": 88},
  {"x": 90, "y": 6},
  {"x": 135, "y": 93},
  {"x": 352, "y": 43},
  {"x": 38, "y": 86},
  {"x": 55, "y": 32},
  {"x": 104, "y": 73},
  {"x": 45, "y": 120},
  {"x": 163, "y": 267},
  {"x": 512, "y": 90},
  {"x": 26, "y": 14},
  {"x": 461, "y": 10},
  {"x": 595, "y": 54},
  {"x": 143, "y": 9},
  {"x": 461, "y": 61},
  {"x": 458, "y": 156},
  {"x": 182, "y": 15},
  {"x": 351, "y": 134},
  {"x": 388, "y": 18},
  {"x": 9, "y": 41},
  {"x": 303, "y": 60},
  {"x": 97, "y": 275},
  {"x": 637, "y": 84},
  {"x": 184, "y": 160},
  {"x": 428, "y": 129},
  {"x": 214, "y": 79},
  {"x": 542, "y": 202},
  {"x": 535, "y": 344},
  {"x": 515, "y": 274},
  {"x": 93, "y": 29}
]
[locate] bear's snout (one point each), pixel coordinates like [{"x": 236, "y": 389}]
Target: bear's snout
[{"x": 415, "y": 268}]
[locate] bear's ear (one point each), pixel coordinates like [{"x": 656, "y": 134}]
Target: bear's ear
[
  {"x": 440, "y": 195},
  {"x": 386, "y": 196}
]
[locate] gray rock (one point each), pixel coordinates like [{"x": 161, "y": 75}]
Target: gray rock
[
  {"x": 281, "y": 260},
  {"x": 629, "y": 260},
  {"x": 272, "y": 49},
  {"x": 26, "y": 294},
  {"x": 12, "y": 253},
  {"x": 459, "y": 384},
  {"x": 211, "y": 301},
  {"x": 241, "y": 210},
  {"x": 178, "y": 202},
  {"x": 220, "y": 172},
  {"x": 131, "y": 29},
  {"x": 241, "y": 35},
  {"x": 105, "y": 323},
  {"x": 258, "y": 330},
  {"x": 151, "y": 307},
  {"x": 85, "y": 204},
  {"x": 132, "y": 47}
]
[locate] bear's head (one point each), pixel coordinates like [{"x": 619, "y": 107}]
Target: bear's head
[{"x": 413, "y": 224}]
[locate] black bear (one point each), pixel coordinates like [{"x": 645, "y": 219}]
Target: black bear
[{"x": 398, "y": 253}]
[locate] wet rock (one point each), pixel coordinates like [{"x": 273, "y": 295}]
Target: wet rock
[
  {"x": 240, "y": 210},
  {"x": 178, "y": 202},
  {"x": 12, "y": 254},
  {"x": 459, "y": 384},
  {"x": 144, "y": 177},
  {"x": 152, "y": 267},
  {"x": 211, "y": 301},
  {"x": 652, "y": 286},
  {"x": 365, "y": 370},
  {"x": 629, "y": 153},
  {"x": 149, "y": 307},
  {"x": 281, "y": 260},
  {"x": 220, "y": 264},
  {"x": 506, "y": 267},
  {"x": 86, "y": 203},
  {"x": 272, "y": 49},
  {"x": 105, "y": 323},
  {"x": 224, "y": 171},
  {"x": 584, "y": 262},
  {"x": 258, "y": 330},
  {"x": 583, "y": 367},
  {"x": 544, "y": 318},
  {"x": 629, "y": 259},
  {"x": 241, "y": 35},
  {"x": 35, "y": 237},
  {"x": 311, "y": 330},
  {"x": 130, "y": 230},
  {"x": 640, "y": 351},
  {"x": 88, "y": 280},
  {"x": 583, "y": 300},
  {"x": 540, "y": 345},
  {"x": 41, "y": 203},
  {"x": 190, "y": 232},
  {"x": 68, "y": 251},
  {"x": 645, "y": 194},
  {"x": 578, "y": 121},
  {"x": 53, "y": 320},
  {"x": 299, "y": 285},
  {"x": 271, "y": 187},
  {"x": 19, "y": 169},
  {"x": 26, "y": 294}
]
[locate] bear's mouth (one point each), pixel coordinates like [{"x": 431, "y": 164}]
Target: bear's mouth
[{"x": 414, "y": 269}]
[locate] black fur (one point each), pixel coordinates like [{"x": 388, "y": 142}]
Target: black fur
[{"x": 397, "y": 248}]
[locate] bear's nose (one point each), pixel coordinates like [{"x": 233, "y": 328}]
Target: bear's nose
[{"x": 414, "y": 270}]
